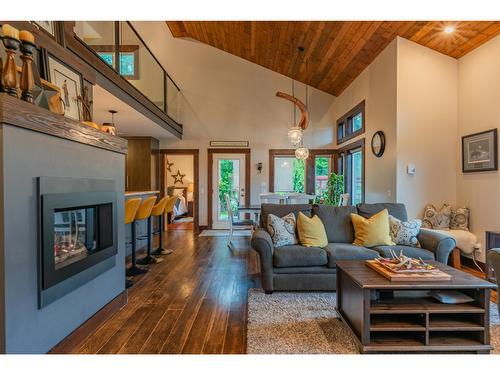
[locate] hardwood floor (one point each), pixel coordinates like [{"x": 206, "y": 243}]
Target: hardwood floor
[
  {"x": 192, "y": 302},
  {"x": 195, "y": 301}
]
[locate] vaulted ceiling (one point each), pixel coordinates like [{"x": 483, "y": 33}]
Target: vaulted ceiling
[{"x": 336, "y": 51}]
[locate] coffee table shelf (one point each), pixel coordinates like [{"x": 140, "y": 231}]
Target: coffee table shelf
[{"x": 387, "y": 316}]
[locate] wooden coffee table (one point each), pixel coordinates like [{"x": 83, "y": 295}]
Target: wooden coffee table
[{"x": 386, "y": 316}]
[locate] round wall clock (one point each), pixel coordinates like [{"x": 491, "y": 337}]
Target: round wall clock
[{"x": 378, "y": 143}]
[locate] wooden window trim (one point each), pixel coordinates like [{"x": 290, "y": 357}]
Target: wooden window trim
[
  {"x": 348, "y": 150},
  {"x": 359, "y": 108},
  {"x": 122, "y": 48}
]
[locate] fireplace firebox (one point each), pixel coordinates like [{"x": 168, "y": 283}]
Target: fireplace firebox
[{"x": 77, "y": 232}]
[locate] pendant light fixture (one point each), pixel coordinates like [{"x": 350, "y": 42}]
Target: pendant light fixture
[
  {"x": 301, "y": 152},
  {"x": 295, "y": 132},
  {"x": 110, "y": 127}
]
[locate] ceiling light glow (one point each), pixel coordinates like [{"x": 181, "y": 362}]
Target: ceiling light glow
[{"x": 449, "y": 29}]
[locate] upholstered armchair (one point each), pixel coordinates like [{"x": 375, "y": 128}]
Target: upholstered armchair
[{"x": 494, "y": 260}]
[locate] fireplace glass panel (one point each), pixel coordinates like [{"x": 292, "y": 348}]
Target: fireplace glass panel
[{"x": 75, "y": 235}]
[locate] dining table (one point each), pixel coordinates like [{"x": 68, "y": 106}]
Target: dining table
[{"x": 250, "y": 209}]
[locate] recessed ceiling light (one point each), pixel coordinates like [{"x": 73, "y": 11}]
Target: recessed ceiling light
[{"x": 449, "y": 29}]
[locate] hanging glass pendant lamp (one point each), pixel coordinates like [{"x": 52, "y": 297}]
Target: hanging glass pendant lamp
[{"x": 302, "y": 153}]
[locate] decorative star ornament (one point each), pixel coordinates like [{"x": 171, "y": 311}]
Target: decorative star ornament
[
  {"x": 169, "y": 166},
  {"x": 41, "y": 93},
  {"x": 178, "y": 177}
]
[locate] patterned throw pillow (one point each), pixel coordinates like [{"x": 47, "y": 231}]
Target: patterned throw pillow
[
  {"x": 434, "y": 219},
  {"x": 460, "y": 219},
  {"x": 405, "y": 232},
  {"x": 282, "y": 229}
]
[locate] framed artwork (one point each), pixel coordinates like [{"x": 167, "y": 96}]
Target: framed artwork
[
  {"x": 69, "y": 82},
  {"x": 48, "y": 26},
  {"x": 480, "y": 152}
]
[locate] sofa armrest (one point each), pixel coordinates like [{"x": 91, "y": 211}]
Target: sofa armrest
[
  {"x": 440, "y": 244},
  {"x": 263, "y": 244}
]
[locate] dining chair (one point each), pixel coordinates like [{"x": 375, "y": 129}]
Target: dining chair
[
  {"x": 236, "y": 224},
  {"x": 494, "y": 260},
  {"x": 344, "y": 199}
]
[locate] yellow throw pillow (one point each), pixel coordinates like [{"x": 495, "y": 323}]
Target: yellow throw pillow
[
  {"x": 373, "y": 231},
  {"x": 311, "y": 231}
]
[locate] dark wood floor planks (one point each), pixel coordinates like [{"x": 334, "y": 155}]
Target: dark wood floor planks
[{"x": 193, "y": 302}]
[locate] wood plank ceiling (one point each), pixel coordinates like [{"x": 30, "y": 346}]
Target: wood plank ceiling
[{"x": 336, "y": 51}]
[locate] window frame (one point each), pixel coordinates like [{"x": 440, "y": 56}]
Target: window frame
[
  {"x": 345, "y": 158},
  {"x": 345, "y": 122},
  {"x": 277, "y": 153}
]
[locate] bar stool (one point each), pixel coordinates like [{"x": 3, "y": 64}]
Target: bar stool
[
  {"x": 131, "y": 207},
  {"x": 157, "y": 210},
  {"x": 144, "y": 212},
  {"x": 169, "y": 207}
]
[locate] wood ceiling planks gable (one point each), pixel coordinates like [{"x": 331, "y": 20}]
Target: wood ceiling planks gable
[{"x": 336, "y": 51}]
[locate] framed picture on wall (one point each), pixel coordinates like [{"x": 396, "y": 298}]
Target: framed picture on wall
[
  {"x": 480, "y": 152},
  {"x": 47, "y": 26},
  {"x": 69, "y": 82}
]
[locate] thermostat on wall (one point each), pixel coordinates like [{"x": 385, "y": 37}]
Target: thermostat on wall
[{"x": 411, "y": 169}]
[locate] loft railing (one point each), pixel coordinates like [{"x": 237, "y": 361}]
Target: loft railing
[{"x": 119, "y": 45}]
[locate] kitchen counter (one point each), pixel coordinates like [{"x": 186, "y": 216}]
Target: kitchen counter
[{"x": 136, "y": 193}]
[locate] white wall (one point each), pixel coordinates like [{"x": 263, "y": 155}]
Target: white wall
[
  {"x": 478, "y": 100},
  {"x": 228, "y": 98},
  {"x": 377, "y": 86},
  {"x": 427, "y": 126},
  {"x": 184, "y": 164}
]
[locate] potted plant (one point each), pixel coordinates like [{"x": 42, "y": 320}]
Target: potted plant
[{"x": 334, "y": 189}]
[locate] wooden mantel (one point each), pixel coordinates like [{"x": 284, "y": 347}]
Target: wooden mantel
[{"x": 16, "y": 112}]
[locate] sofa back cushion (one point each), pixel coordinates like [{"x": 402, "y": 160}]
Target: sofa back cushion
[
  {"x": 281, "y": 210},
  {"x": 398, "y": 210},
  {"x": 337, "y": 222}
]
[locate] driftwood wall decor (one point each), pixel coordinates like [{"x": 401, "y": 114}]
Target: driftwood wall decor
[{"x": 304, "y": 120}]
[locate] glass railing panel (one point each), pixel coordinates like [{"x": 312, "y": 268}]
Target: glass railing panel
[
  {"x": 99, "y": 36},
  {"x": 139, "y": 66},
  {"x": 173, "y": 100}
]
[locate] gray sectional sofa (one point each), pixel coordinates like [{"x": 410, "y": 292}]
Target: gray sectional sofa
[{"x": 296, "y": 267}]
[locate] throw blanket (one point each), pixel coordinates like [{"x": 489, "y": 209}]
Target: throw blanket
[{"x": 465, "y": 240}]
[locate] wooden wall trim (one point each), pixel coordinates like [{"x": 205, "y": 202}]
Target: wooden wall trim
[
  {"x": 71, "y": 342},
  {"x": 16, "y": 112},
  {"x": 196, "y": 177},
  {"x": 210, "y": 156}
]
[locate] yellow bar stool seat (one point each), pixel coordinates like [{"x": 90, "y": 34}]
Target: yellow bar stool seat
[
  {"x": 143, "y": 212},
  {"x": 159, "y": 210},
  {"x": 147, "y": 213},
  {"x": 131, "y": 207}
]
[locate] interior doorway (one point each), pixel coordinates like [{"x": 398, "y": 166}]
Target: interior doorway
[
  {"x": 180, "y": 178},
  {"x": 228, "y": 174}
]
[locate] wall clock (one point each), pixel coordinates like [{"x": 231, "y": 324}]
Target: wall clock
[{"x": 378, "y": 143}]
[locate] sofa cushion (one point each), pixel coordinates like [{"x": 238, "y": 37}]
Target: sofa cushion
[
  {"x": 281, "y": 210},
  {"x": 282, "y": 229},
  {"x": 299, "y": 256},
  {"x": 398, "y": 210},
  {"x": 337, "y": 222},
  {"x": 373, "y": 231},
  {"x": 347, "y": 251},
  {"x": 409, "y": 251},
  {"x": 311, "y": 231}
]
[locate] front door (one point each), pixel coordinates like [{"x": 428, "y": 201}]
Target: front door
[{"x": 228, "y": 178}]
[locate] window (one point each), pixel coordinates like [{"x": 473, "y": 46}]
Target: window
[
  {"x": 322, "y": 170},
  {"x": 128, "y": 61},
  {"x": 351, "y": 124},
  {"x": 289, "y": 174},
  {"x": 351, "y": 165}
]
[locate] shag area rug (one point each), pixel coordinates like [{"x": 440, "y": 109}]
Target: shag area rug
[{"x": 305, "y": 323}]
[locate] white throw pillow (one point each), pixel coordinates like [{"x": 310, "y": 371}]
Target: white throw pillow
[
  {"x": 404, "y": 232},
  {"x": 282, "y": 229}
]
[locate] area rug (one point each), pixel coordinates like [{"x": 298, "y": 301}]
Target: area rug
[
  {"x": 225, "y": 233},
  {"x": 305, "y": 323}
]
